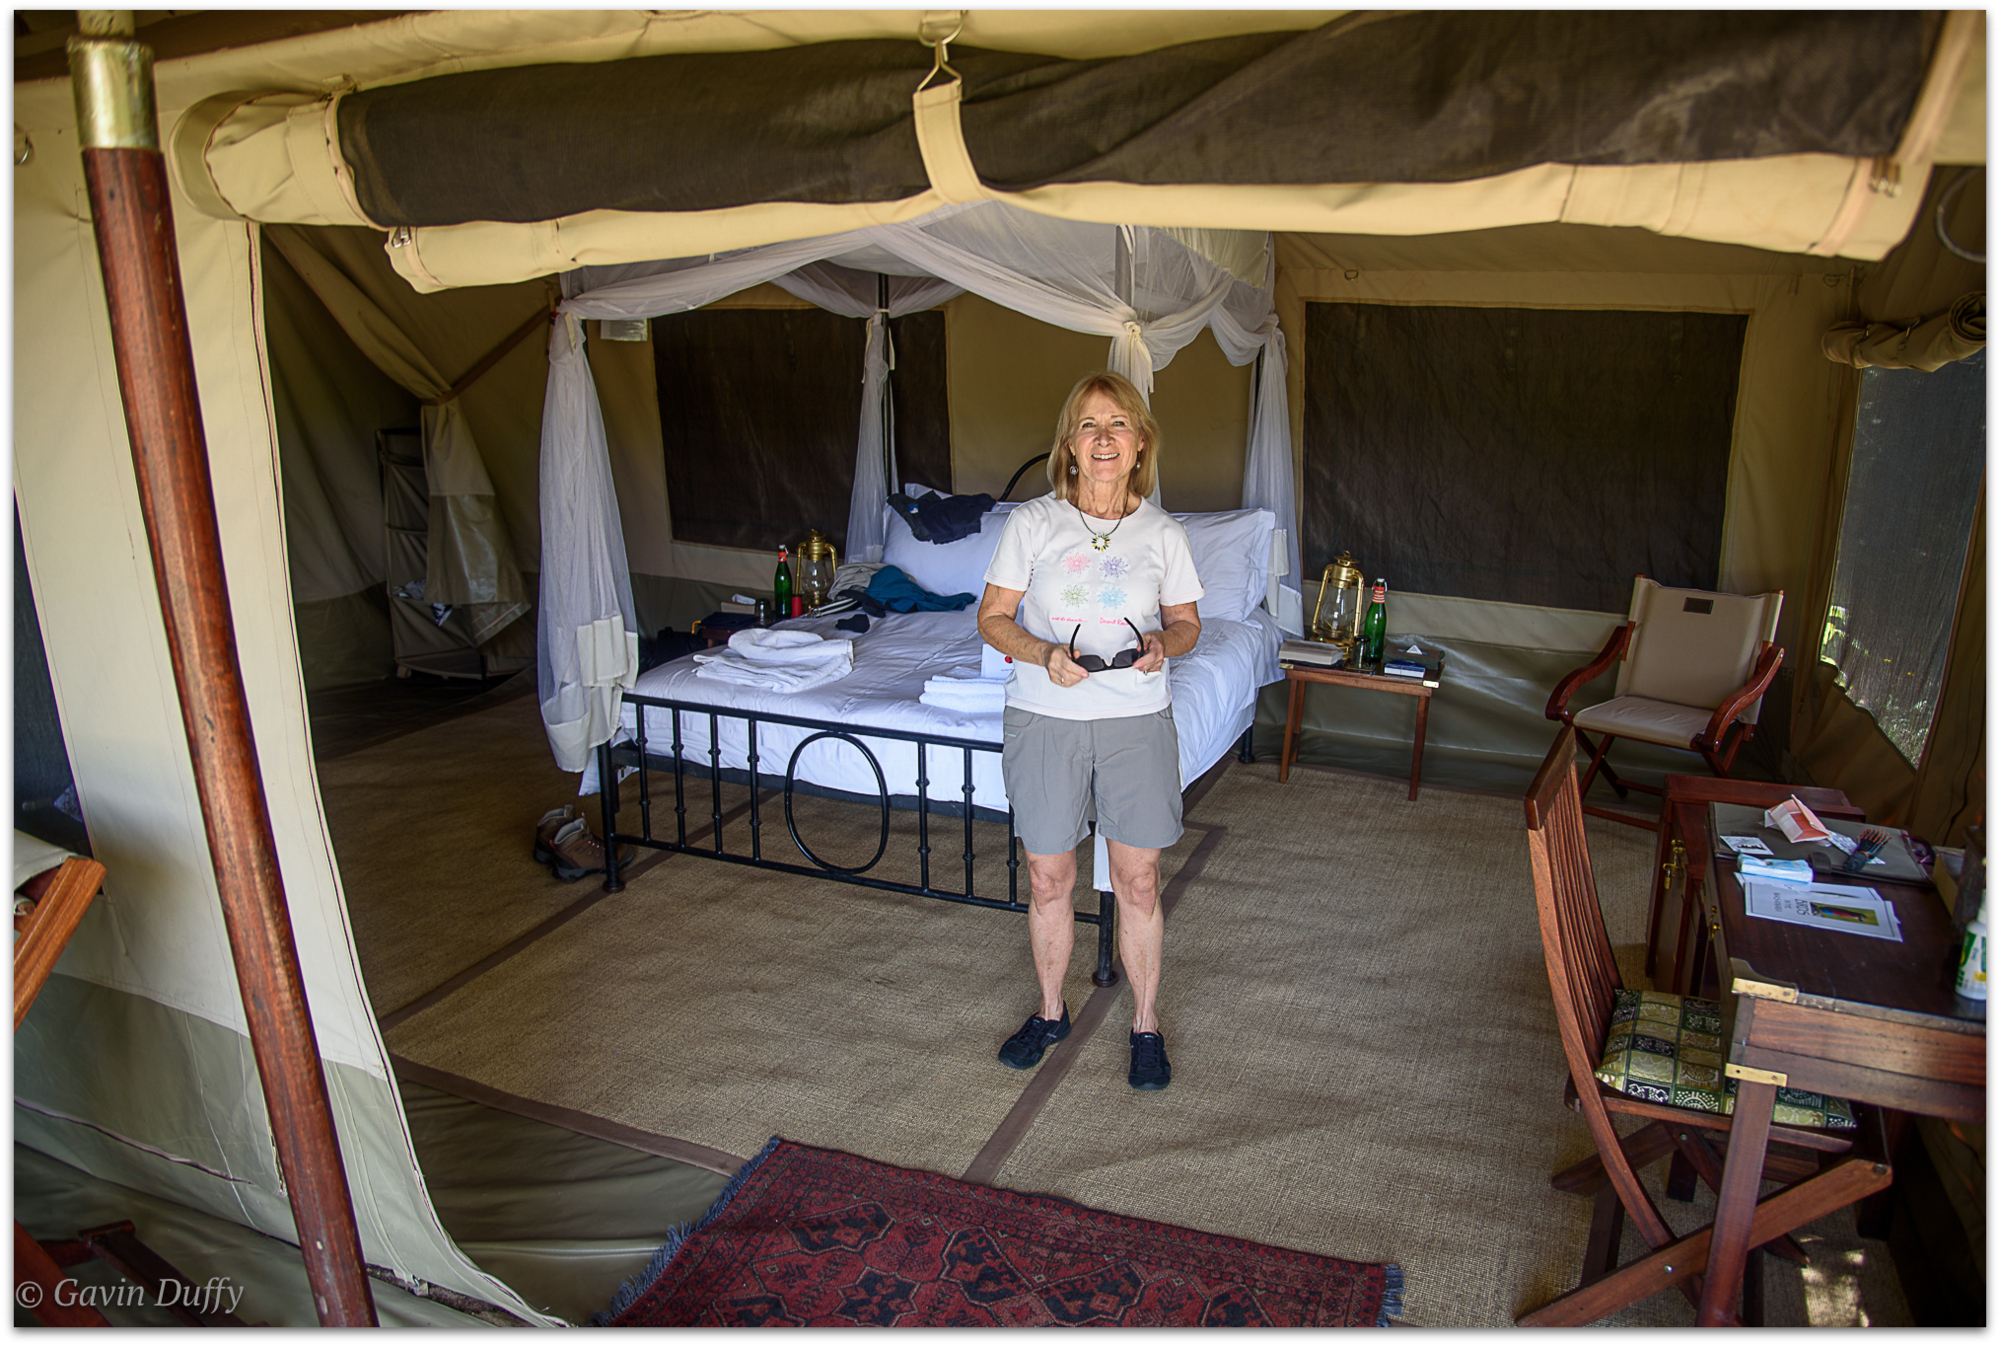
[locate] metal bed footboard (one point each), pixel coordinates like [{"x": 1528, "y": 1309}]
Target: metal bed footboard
[{"x": 675, "y": 760}]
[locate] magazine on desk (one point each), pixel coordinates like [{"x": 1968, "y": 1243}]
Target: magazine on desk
[{"x": 1849, "y": 910}]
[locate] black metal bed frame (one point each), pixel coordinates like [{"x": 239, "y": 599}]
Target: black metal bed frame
[{"x": 923, "y": 805}]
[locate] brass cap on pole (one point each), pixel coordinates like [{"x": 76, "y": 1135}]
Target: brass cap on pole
[{"x": 112, "y": 77}]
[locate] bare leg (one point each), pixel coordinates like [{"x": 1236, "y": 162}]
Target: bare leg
[
  {"x": 1142, "y": 929},
  {"x": 1051, "y": 924}
]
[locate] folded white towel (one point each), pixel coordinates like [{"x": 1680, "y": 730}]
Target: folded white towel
[
  {"x": 967, "y": 695},
  {"x": 793, "y": 647},
  {"x": 777, "y": 660}
]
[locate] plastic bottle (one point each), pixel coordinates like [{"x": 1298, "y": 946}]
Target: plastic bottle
[
  {"x": 1376, "y": 628},
  {"x": 781, "y": 586},
  {"x": 1972, "y": 958}
]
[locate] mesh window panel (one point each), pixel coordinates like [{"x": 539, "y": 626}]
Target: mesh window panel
[
  {"x": 1919, "y": 462},
  {"x": 758, "y": 414},
  {"x": 1538, "y": 456},
  {"x": 918, "y": 402}
]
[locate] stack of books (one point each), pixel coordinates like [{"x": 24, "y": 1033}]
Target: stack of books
[{"x": 1310, "y": 653}]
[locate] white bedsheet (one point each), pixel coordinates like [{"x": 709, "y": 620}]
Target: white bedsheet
[{"x": 1214, "y": 691}]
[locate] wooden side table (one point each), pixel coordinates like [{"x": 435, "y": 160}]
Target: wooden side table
[{"x": 1298, "y": 674}]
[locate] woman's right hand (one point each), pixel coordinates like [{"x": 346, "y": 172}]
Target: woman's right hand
[{"x": 1062, "y": 668}]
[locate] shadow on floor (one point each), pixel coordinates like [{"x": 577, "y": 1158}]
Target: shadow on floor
[{"x": 348, "y": 719}]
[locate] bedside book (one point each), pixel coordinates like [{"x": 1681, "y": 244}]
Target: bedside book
[
  {"x": 1310, "y": 653},
  {"x": 1403, "y": 667}
]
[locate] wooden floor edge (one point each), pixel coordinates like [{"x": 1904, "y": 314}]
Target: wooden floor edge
[{"x": 567, "y": 1118}]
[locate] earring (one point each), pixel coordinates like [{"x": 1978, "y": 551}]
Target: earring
[{"x": 1072, "y": 469}]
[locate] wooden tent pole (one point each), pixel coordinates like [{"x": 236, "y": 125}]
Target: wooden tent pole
[{"x": 127, "y": 178}]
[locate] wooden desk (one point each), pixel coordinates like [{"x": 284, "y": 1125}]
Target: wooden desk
[
  {"x": 1864, "y": 1019},
  {"x": 1680, "y": 866},
  {"x": 1297, "y": 675}
]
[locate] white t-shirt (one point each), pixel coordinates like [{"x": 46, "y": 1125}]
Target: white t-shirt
[{"x": 1068, "y": 585}]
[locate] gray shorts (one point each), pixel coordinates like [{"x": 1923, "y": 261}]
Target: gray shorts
[{"x": 1061, "y": 773}]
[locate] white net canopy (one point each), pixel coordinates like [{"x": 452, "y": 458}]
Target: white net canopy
[{"x": 1151, "y": 291}]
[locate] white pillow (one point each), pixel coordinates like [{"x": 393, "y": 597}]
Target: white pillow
[
  {"x": 1232, "y": 554},
  {"x": 954, "y": 567}
]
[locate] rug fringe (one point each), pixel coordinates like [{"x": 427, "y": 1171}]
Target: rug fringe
[
  {"x": 1392, "y": 1295},
  {"x": 629, "y": 1291}
]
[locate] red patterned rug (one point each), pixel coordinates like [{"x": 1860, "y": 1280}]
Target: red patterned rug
[{"x": 815, "y": 1237}]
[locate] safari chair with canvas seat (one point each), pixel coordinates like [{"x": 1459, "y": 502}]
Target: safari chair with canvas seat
[
  {"x": 1693, "y": 668},
  {"x": 1658, "y": 1058}
]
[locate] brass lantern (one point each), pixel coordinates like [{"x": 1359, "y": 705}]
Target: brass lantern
[
  {"x": 817, "y": 562},
  {"x": 1337, "y": 615}
]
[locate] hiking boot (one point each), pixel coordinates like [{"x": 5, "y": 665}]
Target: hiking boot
[
  {"x": 545, "y": 832},
  {"x": 1150, "y": 1069},
  {"x": 1024, "y": 1049},
  {"x": 575, "y": 851}
]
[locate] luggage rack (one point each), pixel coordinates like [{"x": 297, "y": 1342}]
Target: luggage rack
[{"x": 635, "y": 752}]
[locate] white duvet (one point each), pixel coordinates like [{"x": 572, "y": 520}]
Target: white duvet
[{"x": 1214, "y": 698}]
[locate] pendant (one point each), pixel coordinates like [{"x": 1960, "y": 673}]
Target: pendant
[{"x": 1101, "y": 543}]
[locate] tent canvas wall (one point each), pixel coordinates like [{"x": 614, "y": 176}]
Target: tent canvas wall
[{"x": 171, "y": 1104}]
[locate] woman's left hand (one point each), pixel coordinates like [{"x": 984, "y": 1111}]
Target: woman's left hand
[{"x": 1155, "y": 655}]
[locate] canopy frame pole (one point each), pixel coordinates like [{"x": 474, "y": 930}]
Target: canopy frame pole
[{"x": 130, "y": 202}]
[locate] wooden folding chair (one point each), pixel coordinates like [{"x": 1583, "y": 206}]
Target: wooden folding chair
[
  {"x": 1693, "y": 668},
  {"x": 1583, "y": 977}
]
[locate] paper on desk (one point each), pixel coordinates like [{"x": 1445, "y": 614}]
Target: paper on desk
[
  {"x": 1849, "y": 910},
  {"x": 1747, "y": 845}
]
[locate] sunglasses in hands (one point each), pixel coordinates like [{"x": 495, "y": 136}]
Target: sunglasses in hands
[{"x": 1124, "y": 658}]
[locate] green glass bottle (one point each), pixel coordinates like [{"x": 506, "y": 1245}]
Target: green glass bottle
[
  {"x": 781, "y": 587},
  {"x": 1375, "y": 629}
]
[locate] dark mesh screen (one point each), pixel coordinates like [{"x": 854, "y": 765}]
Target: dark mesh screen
[
  {"x": 1538, "y": 456},
  {"x": 919, "y": 402},
  {"x": 1434, "y": 96},
  {"x": 759, "y": 410}
]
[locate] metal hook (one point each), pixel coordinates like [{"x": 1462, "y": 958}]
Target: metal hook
[{"x": 943, "y": 61}]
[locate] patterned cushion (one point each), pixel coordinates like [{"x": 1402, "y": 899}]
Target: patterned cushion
[{"x": 1669, "y": 1049}]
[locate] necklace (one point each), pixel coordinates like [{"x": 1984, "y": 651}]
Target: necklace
[{"x": 1100, "y": 540}]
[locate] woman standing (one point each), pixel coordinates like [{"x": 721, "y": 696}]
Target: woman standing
[{"x": 1091, "y": 591}]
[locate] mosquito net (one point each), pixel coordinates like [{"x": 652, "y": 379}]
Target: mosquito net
[{"x": 1150, "y": 291}]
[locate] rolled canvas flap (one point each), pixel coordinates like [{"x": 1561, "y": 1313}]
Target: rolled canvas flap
[
  {"x": 1766, "y": 159},
  {"x": 1929, "y": 345},
  {"x": 266, "y": 157},
  {"x": 1715, "y": 202}
]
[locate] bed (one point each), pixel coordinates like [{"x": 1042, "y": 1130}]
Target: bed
[{"x": 869, "y": 739}]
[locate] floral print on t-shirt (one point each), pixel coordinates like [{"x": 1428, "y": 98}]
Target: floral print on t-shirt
[{"x": 1097, "y": 589}]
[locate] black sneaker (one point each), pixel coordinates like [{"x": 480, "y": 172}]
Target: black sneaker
[
  {"x": 1024, "y": 1049},
  {"x": 1150, "y": 1069}
]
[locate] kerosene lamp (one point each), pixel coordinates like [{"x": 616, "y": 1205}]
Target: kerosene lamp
[
  {"x": 1337, "y": 614},
  {"x": 817, "y": 562}
]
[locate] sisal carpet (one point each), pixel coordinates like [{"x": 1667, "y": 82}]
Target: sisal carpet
[
  {"x": 815, "y": 1237},
  {"x": 1365, "y": 1057},
  {"x": 433, "y": 833}
]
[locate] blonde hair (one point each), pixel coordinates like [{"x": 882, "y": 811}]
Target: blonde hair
[{"x": 1062, "y": 457}]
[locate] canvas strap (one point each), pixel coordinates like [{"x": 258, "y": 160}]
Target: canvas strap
[{"x": 941, "y": 140}]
